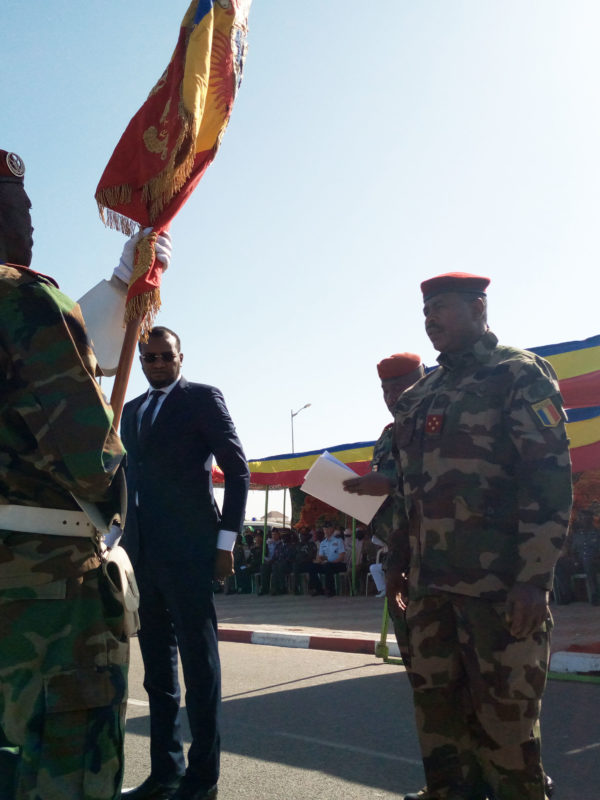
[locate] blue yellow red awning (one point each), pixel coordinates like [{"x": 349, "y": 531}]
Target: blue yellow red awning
[
  {"x": 287, "y": 470},
  {"x": 577, "y": 365},
  {"x": 583, "y": 430}
]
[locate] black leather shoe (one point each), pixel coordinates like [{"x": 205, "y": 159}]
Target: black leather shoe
[
  {"x": 201, "y": 794},
  {"x": 151, "y": 789}
]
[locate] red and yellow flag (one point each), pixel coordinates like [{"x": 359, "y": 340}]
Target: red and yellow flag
[{"x": 172, "y": 139}]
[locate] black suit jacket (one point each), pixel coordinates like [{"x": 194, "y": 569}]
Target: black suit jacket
[{"x": 176, "y": 517}]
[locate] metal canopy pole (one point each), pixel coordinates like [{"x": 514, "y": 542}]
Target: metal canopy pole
[
  {"x": 265, "y": 524},
  {"x": 353, "y": 556}
]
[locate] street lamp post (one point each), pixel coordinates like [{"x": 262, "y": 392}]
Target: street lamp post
[
  {"x": 295, "y": 414},
  {"x": 292, "y": 415}
]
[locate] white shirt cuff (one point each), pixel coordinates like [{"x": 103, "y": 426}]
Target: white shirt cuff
[
  {"x": 113, "y": 536},
  {"x": 226, "y": 540}
]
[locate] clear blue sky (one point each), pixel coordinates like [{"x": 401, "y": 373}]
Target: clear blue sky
[{"x": 371, "y": 146}]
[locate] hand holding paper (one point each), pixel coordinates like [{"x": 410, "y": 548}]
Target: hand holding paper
[
  {"x": 374, "y": 484},
  {"x": 325, "y": 481}
]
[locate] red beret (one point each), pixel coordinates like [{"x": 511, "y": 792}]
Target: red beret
[
  {"x": 11, "y": 166},
  {"x": 461, "y": 282},
  {"x": 398, "y": 365}
]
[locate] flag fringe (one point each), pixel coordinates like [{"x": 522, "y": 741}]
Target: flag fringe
[
  {"x": 160, "y": 190},
  {"x": 116, "y": 195},
  {"x": 145, "y": 253},
  {"x": 144, "y": 306}
]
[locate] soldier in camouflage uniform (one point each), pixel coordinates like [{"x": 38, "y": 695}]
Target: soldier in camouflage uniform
[
  {"x": 64, "y": 655},
  {"x": 396, "y": 373},
  {"x": 486, "y": 485}
]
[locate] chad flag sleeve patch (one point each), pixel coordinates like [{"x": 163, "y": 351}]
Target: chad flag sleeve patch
[{"x": 547, "y": 413}]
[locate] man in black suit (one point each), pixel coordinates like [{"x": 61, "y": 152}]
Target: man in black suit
[{"x": 177, "y": 540}]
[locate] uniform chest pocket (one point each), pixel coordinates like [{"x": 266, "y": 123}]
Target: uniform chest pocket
[
  {"x": 478, "y": 409},
  {"x": 405, "y": 425},
  {"x": 404, "y": 432},
  {"x": 472, "y": 424}
]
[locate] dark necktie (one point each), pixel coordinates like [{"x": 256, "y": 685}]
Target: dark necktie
[{"x": 146, "y": 422}]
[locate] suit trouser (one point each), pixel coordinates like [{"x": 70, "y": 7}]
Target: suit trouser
[
  {"x": 477, "y": 694},
  {"x": 177, "y": 613},
  {"x": 63, "y": 691}
]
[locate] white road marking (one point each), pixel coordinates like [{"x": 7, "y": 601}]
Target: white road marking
[
  {"x": 583, "y": 749},
  {"x": 349, "y": 748}
]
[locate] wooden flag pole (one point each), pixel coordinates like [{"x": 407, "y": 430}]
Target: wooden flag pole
[{"x": 117, "y": 398}]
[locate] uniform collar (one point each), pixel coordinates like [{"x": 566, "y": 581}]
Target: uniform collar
[
  {"x": 478, "y": 353},
  {"x": 35, "y": 272}
]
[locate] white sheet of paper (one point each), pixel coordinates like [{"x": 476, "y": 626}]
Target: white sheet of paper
[{"x": 324, "y": 481}]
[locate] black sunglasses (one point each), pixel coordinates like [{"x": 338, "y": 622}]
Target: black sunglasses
[{"x": 150, "y": 358}]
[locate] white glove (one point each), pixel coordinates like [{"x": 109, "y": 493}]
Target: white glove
[
  {"x": 163, "y": 254},
  {"x": 163, "y": 249}
]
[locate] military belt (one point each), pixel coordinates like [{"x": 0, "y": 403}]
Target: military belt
[{"x": 51, "y": 521}]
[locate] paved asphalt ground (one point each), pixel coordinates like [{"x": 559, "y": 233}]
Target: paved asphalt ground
[{"x": 302, "y": 724}]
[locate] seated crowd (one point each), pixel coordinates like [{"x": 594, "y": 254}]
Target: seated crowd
[
  {"x": 308, "y": 559},
  {"x": 578, "y": 568},
  {"x": 317, "y": 553}
]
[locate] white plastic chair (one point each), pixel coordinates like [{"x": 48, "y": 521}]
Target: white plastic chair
[{"x": 380, "y": 552}]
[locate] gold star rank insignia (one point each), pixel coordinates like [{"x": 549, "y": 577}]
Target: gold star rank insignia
[{"x": 433, "y": 424}]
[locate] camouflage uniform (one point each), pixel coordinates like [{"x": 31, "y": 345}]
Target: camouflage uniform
[
  {"x": 387, "y": 518},
  {"x": 486, "y": 483},
  {"x": 63, "y": 660}
]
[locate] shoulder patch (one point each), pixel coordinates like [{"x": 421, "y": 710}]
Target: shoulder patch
[{"x": 547, "y": 413}]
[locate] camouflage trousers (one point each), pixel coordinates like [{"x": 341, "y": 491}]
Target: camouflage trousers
[
  {"x": 477, "y": 696},
  {"x": 63, "y": 691}
]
